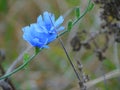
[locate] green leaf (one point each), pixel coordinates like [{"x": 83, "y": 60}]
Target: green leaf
[
  {"x": 77, "y": 12},
  {"x": 90, "y": 6},
  {"x": 70, "y": 25},
  {"x": 26, "y": 58}
]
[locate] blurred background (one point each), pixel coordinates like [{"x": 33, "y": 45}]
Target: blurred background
[{"x": 50, "y": 70}]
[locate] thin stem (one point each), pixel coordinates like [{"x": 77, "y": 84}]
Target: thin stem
[
  {"x": 61, "y": 42},
  {"x": 19, "y": 68},
  {"x": 69, "y": 59},
  {"x": 16, "y": 61},
  {"x": 83, "y": 14}
]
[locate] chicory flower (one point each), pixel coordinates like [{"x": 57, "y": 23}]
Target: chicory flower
[{"x": 44, "y": 31}]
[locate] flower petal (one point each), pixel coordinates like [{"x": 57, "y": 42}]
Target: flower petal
[
  {"x": 46, "y": 17},
  {"x": 53, "y": 18},
  {"x": 59, "y": 21},
  {"x": 52, "y": 37},
  {"x": 27, "y": 36},
  {"x": 40, "y": 20},
  {"x": 60, "y": 28}
]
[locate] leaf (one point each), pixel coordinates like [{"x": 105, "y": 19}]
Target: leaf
[
  {"x": 69, "y": 26},
  {"x": 26, "y": 58},
  {"x": 77, "y": 12},
  {"x": 90, "y": 6}
]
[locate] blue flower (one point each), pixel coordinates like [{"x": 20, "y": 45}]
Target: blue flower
[{"x": 44, "y": 31}]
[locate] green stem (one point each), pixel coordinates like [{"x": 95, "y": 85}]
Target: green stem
[
  {"x": 87, "y": 9},
  {"x": 19, "y": 68},
  {"x": 83, "y": 14}
]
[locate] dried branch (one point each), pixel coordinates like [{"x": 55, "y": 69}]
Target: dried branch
[
  {"x": 14, "y": 64},
  {"x": 5, "y": 84},
  {"x": 109, "y": 75}
]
